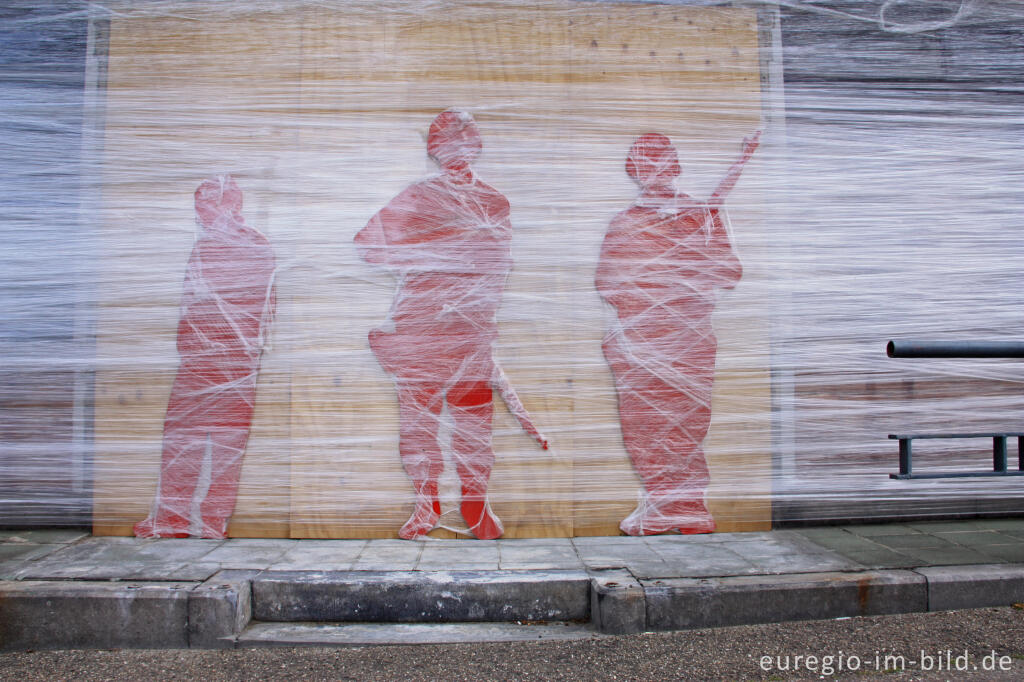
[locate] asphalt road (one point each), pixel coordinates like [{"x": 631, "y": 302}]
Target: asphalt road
[{"x": 978, "y": 644}]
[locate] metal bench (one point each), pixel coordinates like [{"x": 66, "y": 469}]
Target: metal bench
[
  {"x": 958, "y": 349},
  {"x": 998, "y": 454}
]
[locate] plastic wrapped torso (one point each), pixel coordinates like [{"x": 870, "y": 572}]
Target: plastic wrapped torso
[
  {"x": 661, "y": 266},
  {"x": 448, "y": 242},
  {"x": 227, "y": 296}
]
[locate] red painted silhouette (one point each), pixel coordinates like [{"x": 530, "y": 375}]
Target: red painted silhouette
[
  {"x": 447, "y": 241},
  {"x": 662, "y": 263},
  {"x": 226, "y": 310}
]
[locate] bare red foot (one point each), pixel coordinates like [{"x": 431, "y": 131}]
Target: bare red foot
[
  {"x": 422, "y": 521},
  {"x": 648, "y": 520},
  {"x": 482, "y": 522},
  {"x": 215, "y": 529},
  {"x": 147, "y": 529}
]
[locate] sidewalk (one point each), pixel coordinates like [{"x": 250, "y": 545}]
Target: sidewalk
[{"x": 64, "y": 589}]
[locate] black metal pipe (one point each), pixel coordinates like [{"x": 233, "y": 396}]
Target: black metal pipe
[{"x": 954, "y": 349}]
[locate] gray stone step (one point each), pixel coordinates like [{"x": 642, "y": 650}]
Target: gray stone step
[
  {"x": 367, "y": 634},
  {"x": 421, "y": 596},
  {"x": 684, "y": 603}
]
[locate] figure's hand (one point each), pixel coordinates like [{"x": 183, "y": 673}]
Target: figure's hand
[{"x": 750, "y": 144}]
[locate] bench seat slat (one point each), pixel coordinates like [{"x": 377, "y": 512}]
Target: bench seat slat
[{"x": 915, "y": 436}]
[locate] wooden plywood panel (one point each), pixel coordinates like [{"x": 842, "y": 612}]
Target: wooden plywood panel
[{"x": 328, "y": 113}]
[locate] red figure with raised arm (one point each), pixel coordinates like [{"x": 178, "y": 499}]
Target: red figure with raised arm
[
  {"x": 226, "y": 311},
  {"x": 447, "y": 241},
  {"x": 663, "y": 261}
]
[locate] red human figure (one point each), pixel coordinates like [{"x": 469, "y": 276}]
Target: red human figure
[
  {"x": 226, "y": 310},
  {"x": 662, "y": 263},
  {"x": 447, "y": 241}
]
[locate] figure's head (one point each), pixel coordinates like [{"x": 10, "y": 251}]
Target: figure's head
[
  {"x": 652, "y": 161},
  {"x": 218, "y": 198},
  {"x": 454, "y": 140}
]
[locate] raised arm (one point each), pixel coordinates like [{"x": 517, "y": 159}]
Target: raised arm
[{"x": 750, "y": 144}]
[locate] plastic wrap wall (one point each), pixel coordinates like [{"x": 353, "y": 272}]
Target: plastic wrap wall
[{"x": 504, "y": 269}]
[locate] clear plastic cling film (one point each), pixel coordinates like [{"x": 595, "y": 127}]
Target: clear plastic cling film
[{"x": 505, "y": 269}]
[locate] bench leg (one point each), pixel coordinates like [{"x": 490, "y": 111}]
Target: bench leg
[
  {"x": 905, "y": 455},
  {"x": 999, "y": 454}
]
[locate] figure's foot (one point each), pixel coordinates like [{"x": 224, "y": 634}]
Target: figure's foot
[
  {"x": 688, "y": 518},
  {"x": 422, "y": 521},
  {"x": 483, "y": 524},
  {"x": 214, "y": 529},
  {"x": 149, "y": 529}
]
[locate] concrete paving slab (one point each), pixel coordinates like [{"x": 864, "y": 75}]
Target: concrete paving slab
[
  {"x": 460, "y": 542},
  {"x": 1011, "y": 553},
  {"x": 697, "y": 561},
  {"x": 883, "y": 558},
  {"x": 134, "y": 570},
  {"x": 713, "y": 538},
  {"x": 25, "y": 551},
  {"x": 620, "y": 556},
  {"x": 469, "y": 556},
  {"x": 516, "y": 556},
  {"x": 109, "y": 558},
  {"x": 794, "y": 554},
  {"x": 232, "y": 555},
  {"x": 684, "y": 603},
  {"x": 967, "y": 587},
  {"x": 421, "y": 596},
  {"x": 284, "y": 543},
  {"x": 112, "y": 551},
  {"x": 197, "y": 572},
  {"x": 176, "y": 549},
  {"x": 1016, "y": 524},
  {"x": 68, "y": 615},
  {"x": 678, "y": 538},
  {"x": 527, "y": 542},
  {"x": 965, "y": 525},
  {"x": 386, "y": 556},
  {"x": 12, "y": 570},
  {"x": 880, "y": 530},
  {"x": 364, "y": 634},
  {"x": 387, "y": 543},
  {"x": 610, "y": 541},
  {"x": 638, "y": 567},
  {"x": 339, "y": 556},
  {"x": 43, "y": 536},
  {"x": 950, "y": 556},
  {"x": 826, "y": 533},
  {"x": 749, "y": 549},
  {"x": 801, "y": 564},
  {"x": 977, "y": 538},
  {"x": 96, "y": 549},
  {"x": 916, "y": 541},
  {"x": 115, "y": 540},
  {"x": 846, "y": 544}
]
